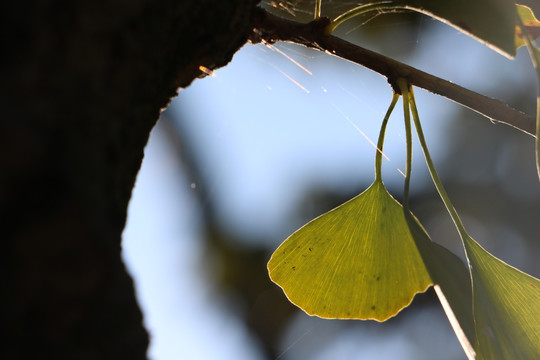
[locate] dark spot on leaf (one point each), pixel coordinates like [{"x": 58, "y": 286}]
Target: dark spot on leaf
[
  {"x": 373, "y": 307},
  {"x": 378, "y": 278},
  {"x": 294, "y": 268},
  {"x": 309, "y": 249},
  {"x": 348, "y": 314}
]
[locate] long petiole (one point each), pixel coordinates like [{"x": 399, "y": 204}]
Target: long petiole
[
  {"x": 408, "y": 96},
  {"x": 317, "y": 9},
  {"x": 403, "y": 85},
  {"x": 434, "y": 175},
  {"x": 380, "y": 141}
]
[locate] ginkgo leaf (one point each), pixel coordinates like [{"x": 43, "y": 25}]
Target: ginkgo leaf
[
  {"x": 506, "y": 307},
  {"x": 534, "y": 53},
  {"x": 358, "y": 261},
  {"x": 506, "y": 301},
  {"x": 530, "y": 23},
  {"x": 491, "y": 22}
]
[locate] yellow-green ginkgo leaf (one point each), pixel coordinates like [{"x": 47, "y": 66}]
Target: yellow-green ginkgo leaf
[
  {"x": 506, "y": 301},
  {"x": 506, "y": 307},
  {"x": 530, "y": 24},
  {"x": 358, "y": 261}
]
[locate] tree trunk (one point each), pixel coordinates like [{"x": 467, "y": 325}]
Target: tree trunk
[{"x": 82, "y": 84}]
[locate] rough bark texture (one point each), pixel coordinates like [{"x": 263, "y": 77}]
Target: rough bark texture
[{"x": 82, "y": 85}]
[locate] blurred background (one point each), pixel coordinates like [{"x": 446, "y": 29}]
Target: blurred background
[{"x": 243, "y": 158}]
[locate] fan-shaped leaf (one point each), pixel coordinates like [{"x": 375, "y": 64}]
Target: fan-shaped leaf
[
  {"x": 356, "y": 261},
  {"x": 491, "y": 22},
  {"x": 506, "y": 307}
]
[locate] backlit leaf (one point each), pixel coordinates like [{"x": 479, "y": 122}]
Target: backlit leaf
[
  {"x": 531, "y": 24},
  {"x": 534, "y": 53},
  {"x": 506, "y": 301},
  {"x": 506, "y": 307},
  {"x": 492, "y": 22},
  {"x": 358, "y": 261}
]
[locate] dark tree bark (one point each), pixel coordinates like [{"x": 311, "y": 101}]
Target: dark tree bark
[{"x": 82, "y": 84}]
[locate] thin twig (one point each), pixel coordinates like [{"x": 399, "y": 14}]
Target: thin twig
[{"x": 271, "y": 28}]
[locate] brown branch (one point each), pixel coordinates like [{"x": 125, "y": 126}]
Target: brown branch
[{"x": 270, "y": 28}]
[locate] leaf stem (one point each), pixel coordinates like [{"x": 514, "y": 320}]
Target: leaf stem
[
  {"x": 403, "y": 85},
  {"x": 380, "y": 142},
  {"x": 434, "y": 175},
  {"x": 317, "y": 13},
  {"x": 408, "y": 97}
]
